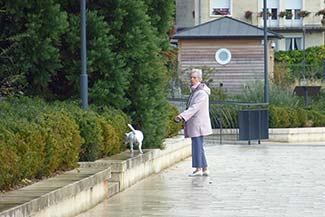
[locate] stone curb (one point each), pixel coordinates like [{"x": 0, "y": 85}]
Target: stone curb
[
  {"x": 129, "y": 168},
  {"x": 43, "y": 198},
  {"x": 81, "y": 189},
  {"x": 287, "y": 135}
]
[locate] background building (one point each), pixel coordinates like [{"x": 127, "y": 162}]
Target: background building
[
  {"x": 230, "y": 48},
  {"x": 299, "y": 21}
]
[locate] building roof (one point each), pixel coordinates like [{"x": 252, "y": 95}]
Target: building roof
[{"x": 225, "y": 27}]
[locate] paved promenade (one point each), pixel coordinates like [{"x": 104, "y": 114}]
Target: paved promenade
[{"x": 246, "y": 181}]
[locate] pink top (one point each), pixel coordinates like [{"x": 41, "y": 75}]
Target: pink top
[{"x": 196, "y": 116}]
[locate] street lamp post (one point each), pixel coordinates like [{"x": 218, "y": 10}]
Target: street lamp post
[
  {"x": 266, "y": 82},
  {"x": 83, "y": 75}
]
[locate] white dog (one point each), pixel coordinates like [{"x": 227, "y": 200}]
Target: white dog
[{"x": 134, "y": 137}]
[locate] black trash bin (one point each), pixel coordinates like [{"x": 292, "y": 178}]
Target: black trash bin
[{"x": 253, "y": 124}]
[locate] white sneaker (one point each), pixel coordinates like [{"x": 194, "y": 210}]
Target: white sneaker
[
  {"x": 196, "y": 173},
  {"x": 205, "y": 173}
]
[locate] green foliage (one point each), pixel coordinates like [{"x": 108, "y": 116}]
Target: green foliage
[
  {"x": 284, "y": 117},
  {"x": 173, "y": 84},
  {"x": 30, "y": 35},
  {"x": 37, "y": 138},
  {"x": 218, "y": 94},
  {"x": 9, "y": 168},
  {"x": 62, "y": 141},
  {"x": 115, "y": 128},
  {"x": 40, "y": 145},
  {"x": 302, "y": 117},
  {"x": 293, "y": 62},
  {"x": 29, "y": 146},
  {"x": 225, "y": 113},
  {"x": 102, "y": 130},
  {"x": 139, "y": 46},
  {"x": 40, "y": 43},
  {"x": 293, "y": 118},
  {"x": 108, "y": 80},
  {"x": 254, "y": 92},
  {"x": 161, "y": 13},
  {"x": 92, "y": 133},
  {"x": 282, "y": 76},
  {"x": 317, "y": 119},
  {"x": 22, "y": 107},
  {"x": 137, "y": 74},
  {"x": 317, "y": 103},
  {"x": 172, "y": 128},
  {"x": 112, "y": 143}
]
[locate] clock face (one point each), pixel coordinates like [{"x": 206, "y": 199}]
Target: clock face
[{"x": 223, "y": 56}]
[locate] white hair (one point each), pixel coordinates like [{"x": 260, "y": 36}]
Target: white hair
[{"x": 198, "y": 72}]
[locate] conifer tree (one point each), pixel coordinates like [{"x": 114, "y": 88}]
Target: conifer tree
[
  {"x": 161, "y": 13},
  {"x": 138, "y": 44},
  {"x": 30, "y": 38}
]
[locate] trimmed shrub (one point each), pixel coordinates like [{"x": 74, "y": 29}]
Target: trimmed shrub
[
  {"x": 284, "y": 117},
  {"x": 112, "y": 142},
  {"x": 9, "y": 160},
  {"x": 302, "y": 117},
  {"x": 118, "y": 121},
  {"x": 37, "y": 138},
  {"x": 92, "y": 133},
  {"x": 172, "y": 128},
  {"x": 62, "y": 141},
  {"x": 101, "y": 128},
  {"x": 317, "y": 119},
  {"x": 293, "y": 118}
]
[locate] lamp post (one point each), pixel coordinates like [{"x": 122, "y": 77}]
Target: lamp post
[
  {"x": 266, "y": 82},
  {"x": 304, "y": 52},
  {"x": 83, "y": 75}
]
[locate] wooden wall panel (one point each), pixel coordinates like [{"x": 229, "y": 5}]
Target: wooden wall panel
[{"x": 247, "y": 63}]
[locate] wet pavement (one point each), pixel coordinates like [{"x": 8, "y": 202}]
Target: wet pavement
[{"x": 246, "y": 181}]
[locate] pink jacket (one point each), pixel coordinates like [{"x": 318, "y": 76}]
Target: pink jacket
[{"x": 196, "y": 116}]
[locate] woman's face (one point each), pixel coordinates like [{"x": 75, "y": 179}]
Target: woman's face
[{"x": 194, "y": 78}]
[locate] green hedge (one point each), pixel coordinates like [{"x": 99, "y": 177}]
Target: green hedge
[
  {"x": 38, "y": 138},
  {"x": 285, "y": 117},
  {"x": 172, "y": 128}
]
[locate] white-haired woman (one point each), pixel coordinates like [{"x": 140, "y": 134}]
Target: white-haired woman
[{"x": 197, "y": 121}]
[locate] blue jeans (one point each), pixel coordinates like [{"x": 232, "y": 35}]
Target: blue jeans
[{"x": 198, "y": 154}]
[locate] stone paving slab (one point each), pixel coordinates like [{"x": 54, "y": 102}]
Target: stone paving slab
[
  {"x": 29, "y": 200},
  {"x": 267, "y": 180}
]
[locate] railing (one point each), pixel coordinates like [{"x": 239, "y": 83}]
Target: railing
[
  {"x": 224, "y": 118},
  {"x": 312, "y": 20}
]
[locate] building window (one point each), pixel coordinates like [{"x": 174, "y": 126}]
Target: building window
[
  {"x": 292, "y": 14},
  {"x": 292, "y": 9},
  {"x": 293, "y": 43},
  {"x": 288, "y": 14},
  {"x": 220, "y": 7},
  {"x": 274, "y": 13},
  {"x": 296, "y": 12},
  {"x": 272, "y": 8}
]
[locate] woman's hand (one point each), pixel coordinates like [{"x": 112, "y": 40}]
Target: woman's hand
[{"x": 178, "y": 118}]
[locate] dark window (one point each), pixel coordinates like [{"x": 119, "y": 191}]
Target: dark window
[
  {"x": 297, "y": 17},
  {"x": 274, "y": 13},
  {"x": 288, "y": 14},
  {"x": 220, "y": 11},
  {"x": 293, "y": 43}
]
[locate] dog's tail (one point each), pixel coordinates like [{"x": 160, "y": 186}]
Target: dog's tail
[{"x": 131, "y": 127}]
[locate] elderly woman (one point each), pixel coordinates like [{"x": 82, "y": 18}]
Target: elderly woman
[{"x": 197, "y": 121}]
